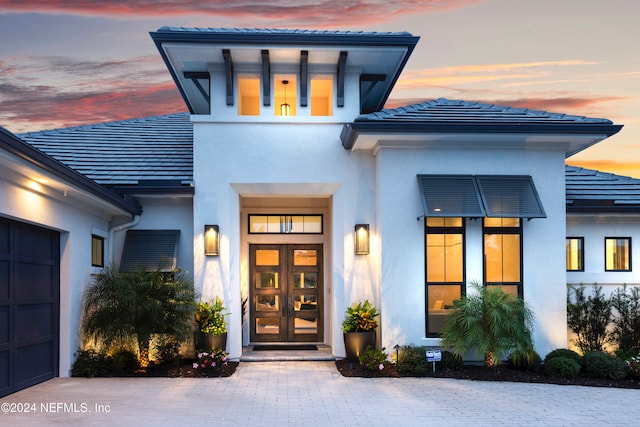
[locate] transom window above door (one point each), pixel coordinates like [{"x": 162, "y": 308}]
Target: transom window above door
[{"x": 285, "y": 224}]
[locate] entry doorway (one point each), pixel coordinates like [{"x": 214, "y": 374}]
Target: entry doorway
[{"x": 286, "y": 292}]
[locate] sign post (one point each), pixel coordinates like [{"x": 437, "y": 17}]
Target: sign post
[{"x": 434, "y": 356}]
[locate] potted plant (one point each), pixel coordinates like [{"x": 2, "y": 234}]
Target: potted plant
[
  {"x": 212, "y": 326},
  {"x": 359, "y": 329}
]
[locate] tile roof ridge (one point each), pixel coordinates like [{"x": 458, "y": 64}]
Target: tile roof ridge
[
  {"x": 255, "y": 30},
  {"x": 102, "y": 124}
]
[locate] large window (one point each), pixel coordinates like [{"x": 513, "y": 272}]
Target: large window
[
  {"x": 503, "y": 254},
  {"x": 97, "y": 251},
  {"x": 617, "y": 253},
  {"x": 444, "y": 268},
  {"x": 575, "y": 254}
]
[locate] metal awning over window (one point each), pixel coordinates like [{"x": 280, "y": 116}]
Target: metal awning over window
[
  {"x": 150, "y": 250},
  {"x": 450, "y": 195},
  {"x": 477, "y": 196}
]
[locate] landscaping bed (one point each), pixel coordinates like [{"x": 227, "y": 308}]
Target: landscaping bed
[
  {"x": 481, "y": 373},
  {"x": 184, "y": 369}
]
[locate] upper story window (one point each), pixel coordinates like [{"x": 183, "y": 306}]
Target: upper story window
[
  {"x": 617, "y": 253},
  {"x": 321, "y": 95},
  {"x": 575, "y": 253},
  {"x": 248, "y": 95},
  {"x": 284, "y": 95}
]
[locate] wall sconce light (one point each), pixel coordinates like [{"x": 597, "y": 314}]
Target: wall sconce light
[
  {"x": 285, "y": 109},
  {"x": 211, "y": 240},
  {"x": 362, "y": 239}
]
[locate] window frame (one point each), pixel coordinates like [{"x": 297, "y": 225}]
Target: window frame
[
  {"x": 450, "y": 230},
  {"x": 95, "y": 238},
  {"x": 628, "y": 254},
  {"x": 503, "y": 230},
  {"x": 580, "y": 254}
]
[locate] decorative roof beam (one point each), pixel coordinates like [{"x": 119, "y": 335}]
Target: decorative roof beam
[
  {"x": 373, "y": 80},
  {"x": 195, "y": 77},
  {"x": 266, "y": 79},
  {"x": 342, "y": 63},
  {"x": 228, "y": 70},
  {"x": 304, "y": 78}
]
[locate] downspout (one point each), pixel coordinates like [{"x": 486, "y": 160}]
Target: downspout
[{"x": 114, "y": 230}]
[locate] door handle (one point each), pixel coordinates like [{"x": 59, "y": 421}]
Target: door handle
[{"x": 290, "y": 307}]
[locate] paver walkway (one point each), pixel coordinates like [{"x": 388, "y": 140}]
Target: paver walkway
[{"x": 314, "y": 394}]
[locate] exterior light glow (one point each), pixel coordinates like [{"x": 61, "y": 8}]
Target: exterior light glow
[
  {"x": 362, "y": 239},
  {"x": 285, "y": 109},
  {"x": 211, "y": 240}
]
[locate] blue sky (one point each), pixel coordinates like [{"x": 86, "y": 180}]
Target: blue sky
[{"x": 67, "y": 63}]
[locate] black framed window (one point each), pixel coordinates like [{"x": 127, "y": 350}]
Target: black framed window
[
  {"x": 444, "y": 268},
  {"x": 503, "y": 254},
  {"x": 97, "y": 251},
  {"x": 575, "y": 253},
  {"x": 617, "y": 253}
]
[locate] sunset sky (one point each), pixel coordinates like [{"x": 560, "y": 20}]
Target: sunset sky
[{"x": 67, "y": 63}]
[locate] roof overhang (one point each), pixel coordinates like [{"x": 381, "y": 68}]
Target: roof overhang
[
  {"x": 191, "y": 54},
  {"x": 30, "y": 168},
  {"x": 571, "y": 138}
]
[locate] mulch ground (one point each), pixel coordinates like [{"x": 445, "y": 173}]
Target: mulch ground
[
  {"x": 481, "y": 373},
  {"x": 183, "y": 369}
]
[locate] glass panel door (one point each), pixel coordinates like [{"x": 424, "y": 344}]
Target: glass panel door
[{"x": 286, "y": 293}]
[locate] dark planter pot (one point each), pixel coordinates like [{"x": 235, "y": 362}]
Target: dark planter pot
[
  {"x": 209, "y": 342},
  {"x": 355, "y": 343}
]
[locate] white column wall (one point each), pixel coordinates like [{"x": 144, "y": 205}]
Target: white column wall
[
  {"x": 310, "y": 157},
  {"x": 402, "y": 241}
]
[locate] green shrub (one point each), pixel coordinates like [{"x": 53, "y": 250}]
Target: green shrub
[
  {"x": 563, "y": 352},
  {"x": 599, "y": 364},
  {"x": 588, "y": 317},
  {"x": 525, "y": 361},
  {"x": 164, "y": 348},
  {"x": 451, "y": 361},
  {"x": 412, "y": 361},
  {"x": 626, "y": 323},
  {"x": 563, "y": 367},
  {"x": 373, "y": 359},
  {"x": 125, "y": 360},
  {"x": 90, "y": 363},
  {"x": 633, "y": 367}
]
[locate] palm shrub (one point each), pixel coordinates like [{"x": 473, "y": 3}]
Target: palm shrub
[
  {"x": 491, "y": 321},
  {"x": 123, "y": 307},
  {"x": 626, "y": 325},
  {"x": 588, "y": 317}
]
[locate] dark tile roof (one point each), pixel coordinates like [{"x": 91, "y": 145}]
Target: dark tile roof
[
  {"x": 445, "y": 110},
  {"x": 124, "y": 152},
  {"x": 161, "y": 148},
  {"x": 590, "y": 190},
  {"x": 279, "y": 31}
]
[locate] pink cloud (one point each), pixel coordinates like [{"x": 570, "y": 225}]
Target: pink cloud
[{"x": 326, "y": 13}]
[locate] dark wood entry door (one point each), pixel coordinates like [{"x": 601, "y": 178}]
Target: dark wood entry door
[{"x": 286, "y": 293}]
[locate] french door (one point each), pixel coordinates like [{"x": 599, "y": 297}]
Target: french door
[{"x": 286, "y": 293}]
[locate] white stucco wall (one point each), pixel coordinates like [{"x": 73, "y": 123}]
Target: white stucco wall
[
  {"x": 402, "y": 237},
  {"x": 164, "y": 214},
  {"x": 594, "y": 228},
  {"x": 76, "y": 225}
]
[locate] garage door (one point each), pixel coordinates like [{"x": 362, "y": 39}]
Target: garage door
[{"x": 29, "y": 305}]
